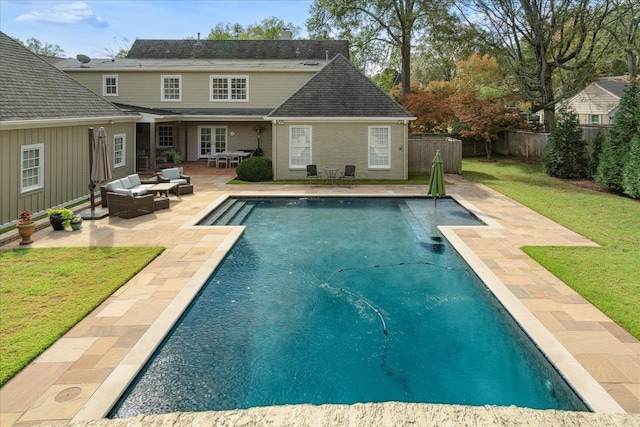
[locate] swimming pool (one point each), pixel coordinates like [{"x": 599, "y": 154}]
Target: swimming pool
[{"x": 342, "y": 301}]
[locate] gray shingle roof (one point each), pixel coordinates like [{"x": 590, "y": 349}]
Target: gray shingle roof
[
  {"x": 340, "y": 90},
  {"x": 238, "y": 49},
  {"x": 33, "y": 89},
  {"x": 613, "y": 85}
]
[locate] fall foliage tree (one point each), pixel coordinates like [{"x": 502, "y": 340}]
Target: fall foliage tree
[{"x": 432, "y": 108}]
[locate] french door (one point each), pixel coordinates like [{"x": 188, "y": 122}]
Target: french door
[{"x": 212, "y": 139}]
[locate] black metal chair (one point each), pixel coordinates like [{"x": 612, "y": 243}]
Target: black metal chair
[
  {"x": 349, "y": 173},
  {"x": 312, "y": 173}
]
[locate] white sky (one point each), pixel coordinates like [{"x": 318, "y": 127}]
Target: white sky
[{"x": 92, "y": 26}]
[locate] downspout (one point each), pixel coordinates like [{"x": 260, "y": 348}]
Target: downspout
[
  {"x": 405, "y": 141},
  {"x": 274, "y": 148}
]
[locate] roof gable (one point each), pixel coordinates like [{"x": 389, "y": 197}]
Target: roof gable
[
  {"x": 340, "y": 90},
  {"x": 614, "y": 86},
  {"x": 238, "y": 49},
  {"x": 33, "y": 89}
]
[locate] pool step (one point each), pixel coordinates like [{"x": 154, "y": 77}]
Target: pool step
[
  {"x": 241, "y": 214},
  {"x": 230, "y": 212}
]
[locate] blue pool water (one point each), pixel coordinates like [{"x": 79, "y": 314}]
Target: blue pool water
[{"x": 344, "y": 301}]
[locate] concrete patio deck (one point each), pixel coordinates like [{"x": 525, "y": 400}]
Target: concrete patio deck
[{"x": 83, "y": 373}]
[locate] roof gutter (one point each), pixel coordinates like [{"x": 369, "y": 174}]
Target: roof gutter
[
  {"x": 68, "y": 121},
  {"x": 404, "y": 120}
]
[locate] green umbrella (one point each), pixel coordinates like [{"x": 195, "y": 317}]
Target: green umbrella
[{"x": 436, "y": 181}]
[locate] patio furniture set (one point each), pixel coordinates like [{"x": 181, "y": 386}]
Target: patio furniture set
[
  {"x": 130, "y": 196},
  {"x": 331, "y": 174},
  {"x": 227, "y": 158}
]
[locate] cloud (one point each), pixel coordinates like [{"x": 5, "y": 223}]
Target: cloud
[{"x": 77, "y": 13}]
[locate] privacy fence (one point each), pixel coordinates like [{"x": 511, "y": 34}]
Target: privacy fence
[{"x": 423, "y": 147}]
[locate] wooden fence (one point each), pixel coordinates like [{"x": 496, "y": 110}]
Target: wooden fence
[
  {"x": 529, "y": 145},
  {"x": 423, "y": 147}
]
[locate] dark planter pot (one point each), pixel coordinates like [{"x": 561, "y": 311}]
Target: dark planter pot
[{"x": 56, "y": 222}]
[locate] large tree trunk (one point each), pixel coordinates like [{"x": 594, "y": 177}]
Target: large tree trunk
[{"x": 406, "y": 63}]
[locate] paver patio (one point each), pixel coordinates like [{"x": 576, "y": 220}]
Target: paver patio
[{"x": 83, "y": 373}]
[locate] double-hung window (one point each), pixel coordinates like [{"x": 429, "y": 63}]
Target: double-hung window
[
  {"x": 110, "y": 85},
  {"x": 171, "y": 88},
  {"x": 31, "y": 167},
  {"x": 229, "y": 88},
  {"x": 595, "y": 119},
  {"x": 119, "y": 149},
  {"x": 165, "y": 136},
  {"x": 379, "y": 147},
  {"x": 299, "y": 146}
]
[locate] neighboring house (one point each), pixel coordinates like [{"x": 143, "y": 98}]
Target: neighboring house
[
  {"x": 202, "y": 96},
  {"x": 597, "y": 103},
  {"x": 45, "y": 118}
]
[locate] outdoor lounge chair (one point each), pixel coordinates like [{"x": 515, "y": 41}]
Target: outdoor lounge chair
[
  {"x": 312, "y": 173},
  {"x": 349, "y": 173},
  {"x": 173, "y": 175},
  {"x": 126, "y": 206}
]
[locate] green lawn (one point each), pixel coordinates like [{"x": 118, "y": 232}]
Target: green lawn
[
  {"x": 609, "y": 276},
  {"x": 45, "y": 292}
]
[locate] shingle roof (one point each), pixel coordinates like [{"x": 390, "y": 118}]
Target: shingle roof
[
  {"x": 33, "y": 89},
  {"x": 238, "y": 49},
  {"x": 613, "y": 85},
  {"x": 340, "y": 90}
]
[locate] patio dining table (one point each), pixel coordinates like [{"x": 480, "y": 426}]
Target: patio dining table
[{"x": 227, "y": 155}]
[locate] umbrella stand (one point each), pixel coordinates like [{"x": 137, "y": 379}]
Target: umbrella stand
[{"x": 92, "y": 213}]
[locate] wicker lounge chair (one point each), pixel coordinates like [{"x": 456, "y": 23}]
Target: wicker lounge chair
[
  {"x": 126, "y": 206},
  {"x": 173, "y": 175}
]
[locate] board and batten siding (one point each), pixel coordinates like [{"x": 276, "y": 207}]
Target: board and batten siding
[
  {"x": 266, "y": 89},
  {"x": 337, "y": 144},
  {"x": 66, "y": 166}
]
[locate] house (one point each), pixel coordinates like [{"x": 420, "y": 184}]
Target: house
[
  {"x": 598, "y": 102},
  {"x": 45, "y": 117},
  {"x": 204, "y": 96}
]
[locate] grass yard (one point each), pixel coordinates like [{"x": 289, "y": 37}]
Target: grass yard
[
  {"x": 608, "y": 276},
  {"x": 44, "y": 292}
]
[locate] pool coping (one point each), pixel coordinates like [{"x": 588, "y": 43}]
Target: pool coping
[{"x": 98, "y": 397}]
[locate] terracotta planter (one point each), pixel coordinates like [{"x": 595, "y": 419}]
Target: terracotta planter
[{"x": 26, "y": 231}]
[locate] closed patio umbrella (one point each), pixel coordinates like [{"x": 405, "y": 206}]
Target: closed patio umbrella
[
  {"x": 436, "y": 181},
  {"x": 99, "y": 170}
]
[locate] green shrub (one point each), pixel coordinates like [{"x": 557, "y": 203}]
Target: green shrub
[
  {"x": 615, "y": 149},
  {"x": 596, "y": 151},
  {"x": 631, "y": 171},
  {"x": 255, "y": 169},
  {"x": 564, "y": 156}
]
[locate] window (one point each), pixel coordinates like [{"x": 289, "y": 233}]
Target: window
[
  {"x": 212, "y": 139},
  {"x": 229, "y": 88},
  {"x": 119, "y": 150},
  {"x": 299, "y": 146},
  {"x": 595, "y": 119},
  {"x": 165, "y": 136},
  {"x": 379, "y": 147},
  {"x": 171, "y": 88},
  {"x": 31, "y": 167},
  {"x": 109, "y": 85}
]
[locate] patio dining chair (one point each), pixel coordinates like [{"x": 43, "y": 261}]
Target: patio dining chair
[
  {"x": 312, "y": 173},
  {"x": 349, "y": 173}
]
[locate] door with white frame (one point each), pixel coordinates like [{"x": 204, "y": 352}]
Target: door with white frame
[{"x": 212, "y": 139}]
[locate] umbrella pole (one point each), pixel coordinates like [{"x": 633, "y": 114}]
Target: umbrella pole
[{"x": 92, "y": 185}]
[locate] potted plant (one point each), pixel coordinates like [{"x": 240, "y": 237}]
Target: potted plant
[
  {"x": 26, "y": 226},
  {"x": 173, "y": 158},
  {"x": 60, "y": 218},
  {"x": 76, "y": 222}
]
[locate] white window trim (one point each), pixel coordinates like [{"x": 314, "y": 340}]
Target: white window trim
[
  {"x": 310, "y": 130},
  {"x": 228, "y": 77},
  {"x": 124, "y": 150},
  {"x": 369, "y": 165},
  {"x": 104, "y": 84},
  {"x": 213, "y": 139},
  {"x": 40, "y": 184},
  {"x": 162, "y": 93}
]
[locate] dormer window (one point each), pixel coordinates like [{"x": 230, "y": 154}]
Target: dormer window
[{"x": 229, "y": 88}]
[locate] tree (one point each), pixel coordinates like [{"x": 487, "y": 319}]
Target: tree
[
  {"x": 268, "y": 29},
  {"x": 484, "y": 118},
  {"x": 615, "y": 149},
  {"x": 36, "y": 46},
  {"x": 432, "y": 108},
  {"x": 548, "y": 46},
  {"x": 624, "y": 28},
  {"x": 631, "y": 171},
  {"x": 376, "y": 26},
  {"x": 596, "y": 151},
  {"x": 123, "y": 47},
  {"x": 564, "y": 156}
]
